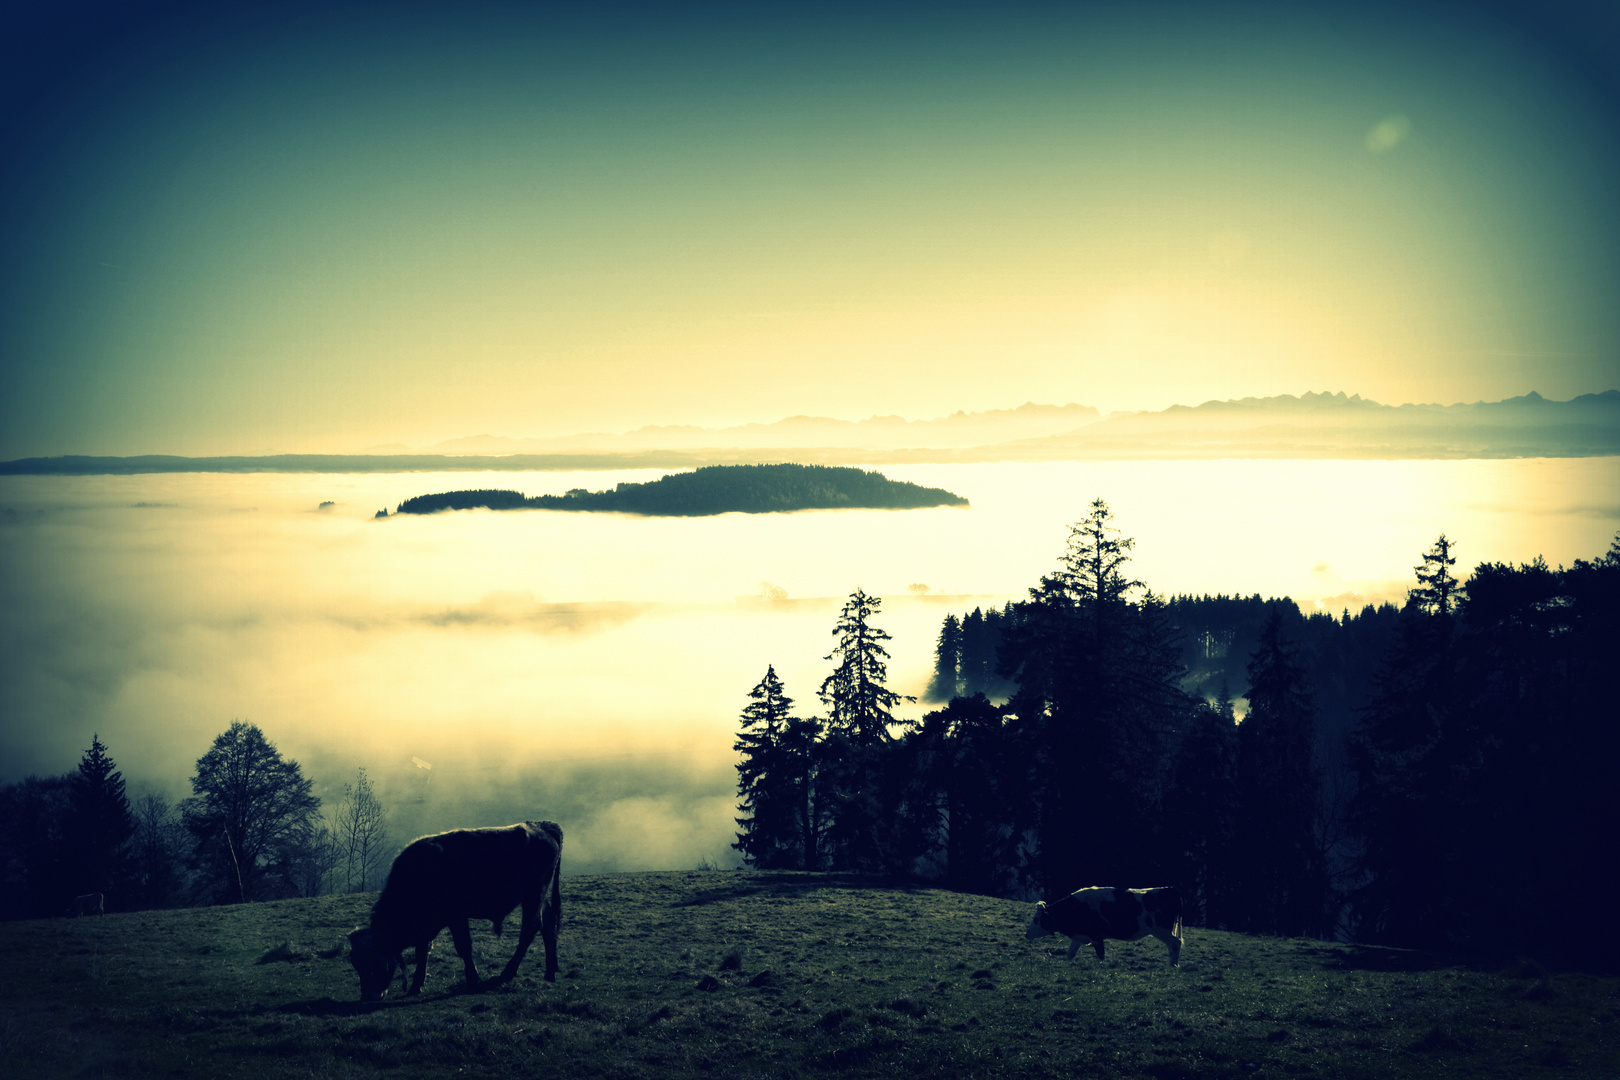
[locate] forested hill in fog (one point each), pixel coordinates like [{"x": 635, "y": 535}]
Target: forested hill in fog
[{"x": 718, "y": 489}]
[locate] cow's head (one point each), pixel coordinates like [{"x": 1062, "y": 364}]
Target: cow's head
[
  {"x": 374, "y": 964},
  {"x": 1037, "y": 925}
]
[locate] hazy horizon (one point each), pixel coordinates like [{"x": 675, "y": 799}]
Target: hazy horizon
[
  {"x": 308, "y": 229},
  {"x": 590, "y": 668}
]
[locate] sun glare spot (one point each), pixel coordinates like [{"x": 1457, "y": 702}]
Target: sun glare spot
[{"x": 1388, "y": 133}]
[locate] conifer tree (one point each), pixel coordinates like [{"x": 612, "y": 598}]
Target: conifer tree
[
  {"x": 1437, "y": 591},
  {"x": 947, "y": 680},
  {"x": 1097, "y": 705},
  {"x": 776, "y": 781},
  {"x": 1280, "y": 881},
  {"x": 99, "y": 827},
  {"x": 862, "y": 791},
  {"x": 1094, "y": 561},
  {"x": 1199, "y": 812},
  {"x": 973, "y": 769},
  {"x": 859, "y": 703}
]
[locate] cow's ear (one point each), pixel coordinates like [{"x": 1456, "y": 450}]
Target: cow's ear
[{"x": 1040, "y": 906}]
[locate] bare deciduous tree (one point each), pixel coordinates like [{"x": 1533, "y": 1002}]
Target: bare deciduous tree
[{"x": 362, "y": 830}]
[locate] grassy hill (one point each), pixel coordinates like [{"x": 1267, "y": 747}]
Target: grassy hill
[{"x": 734, "y": 974}]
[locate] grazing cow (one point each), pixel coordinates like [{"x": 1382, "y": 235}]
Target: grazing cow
[
  {"x": 450, "y": 877},
  {"x": 88, "y": 904},
  {"x": 1126, "y": 914}
]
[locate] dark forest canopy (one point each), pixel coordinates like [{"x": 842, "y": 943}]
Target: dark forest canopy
[
  {"x": 1424, "y": 776},
  {"x": 718, "y": 489}
]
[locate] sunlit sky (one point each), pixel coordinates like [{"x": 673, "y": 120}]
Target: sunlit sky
[{"x": 284, "y": 228}]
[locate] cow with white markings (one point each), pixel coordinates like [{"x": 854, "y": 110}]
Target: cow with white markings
[{"x": 1091, "y": 915}]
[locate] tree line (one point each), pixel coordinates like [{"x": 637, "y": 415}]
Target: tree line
[
  {"x": 252, "y": 829},
  {"x": 1432, "y": 776}
]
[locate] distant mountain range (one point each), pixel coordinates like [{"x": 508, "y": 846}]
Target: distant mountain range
[
  {"x": 1314, "y": 425},
  {"x": 1336, "y": 425},
  {"x": 959, "y": 430}
]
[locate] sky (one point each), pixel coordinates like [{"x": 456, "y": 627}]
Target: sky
[{"x": 305, "y": 227}]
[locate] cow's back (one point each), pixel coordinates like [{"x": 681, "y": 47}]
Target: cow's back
[{"x": 470, "y": 873}]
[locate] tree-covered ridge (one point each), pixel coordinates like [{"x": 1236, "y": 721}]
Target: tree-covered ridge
[
  {"x": 716, "y": 489},
  {"x": 1395, "y": 776}
]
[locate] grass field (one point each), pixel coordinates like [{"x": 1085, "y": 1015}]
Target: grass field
[{"x": 738, "y": 974}]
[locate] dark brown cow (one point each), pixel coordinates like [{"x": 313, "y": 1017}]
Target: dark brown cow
[
  {"x": 88, "y": 904},
  {"x": 1125, "y": 914},
  {"x": 451, "y": 877}
]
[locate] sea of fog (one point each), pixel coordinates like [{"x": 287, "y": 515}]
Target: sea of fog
[{"x": 589, "y": 668}]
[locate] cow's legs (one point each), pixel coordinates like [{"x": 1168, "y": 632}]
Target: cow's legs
[
  {"x": 525, "y": 939},
  {"x": 422, "y": 950},
  {"x": 463, "y": 939},
  {"x": 550, "y": 917},
  {"x": 1174, "y": 944}
]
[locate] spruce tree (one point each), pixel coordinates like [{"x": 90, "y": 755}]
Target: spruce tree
[
  {"x": 1199, "y": 813},
  {"x": 776, "y": 781},
  {"x": 1281, "y": 886},
  {"x": 863, "y": 825},
  {"x": 859, "y": 703},
  {"x": 1097, "y": 707},
  {"x": 99, "y": 827},
  {"x": 947, "y": 680},
  {"x": 1437, "y": 591},
  {"x": 1404, "y": 787}
]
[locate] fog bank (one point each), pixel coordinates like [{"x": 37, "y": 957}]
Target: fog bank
[{"x": 590, "y": 668}]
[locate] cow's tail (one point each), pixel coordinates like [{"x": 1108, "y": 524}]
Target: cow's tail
[{"x": 556, "y": 875}]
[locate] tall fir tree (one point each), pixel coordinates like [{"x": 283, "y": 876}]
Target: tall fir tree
[
  {"x": 1097, "y": 707},
  {"x": 859, "y": 703},
  {"x": 776, "y": 781},
  {"x": 1281, "y": 886},
  {"x": 972, "y": 768},
  {"x": 1397, "y": 748},
  {"x": 1437, "y": 591},
  {"x": 99, "y": 828},
  {"x": 855, "y": 776},
  {"x": 1199, "y": 813},
  {"x": 947, "y": 679}
]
